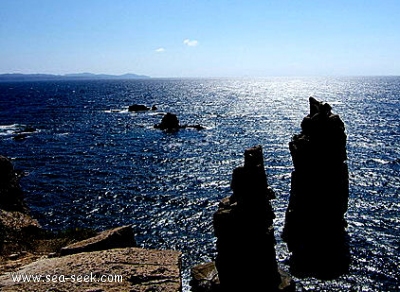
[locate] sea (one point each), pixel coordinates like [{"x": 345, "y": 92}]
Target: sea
[{"x": 88, "y": 162}]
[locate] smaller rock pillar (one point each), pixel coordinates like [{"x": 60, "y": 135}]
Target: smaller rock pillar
[{"x": 243, "y": 226}]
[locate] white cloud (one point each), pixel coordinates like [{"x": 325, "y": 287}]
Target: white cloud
[
  {"x": 160, "y": 50},
  {"x": 191, "y": 43}
]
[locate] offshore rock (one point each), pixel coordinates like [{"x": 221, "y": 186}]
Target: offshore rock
[
  {"x": 246, "y": 259},
  {"x": 138, "y": 107},
  {"x": 315, "y": 227},
  {"x": 169, "y": 123},
  {"x": 26, "y": 129},
  {"x": 22, "y": 133}
]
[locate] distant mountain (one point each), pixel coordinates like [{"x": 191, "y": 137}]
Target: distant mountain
[
  {"x": 104, "y": 76},
  {"x": 74, "y": 76}
]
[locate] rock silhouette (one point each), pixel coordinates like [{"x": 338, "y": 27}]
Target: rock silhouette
[
  {"x": 315, "y": 225},
  {"x": 138, "y": 107},
  {"x": 243, "y": 226},
  {"x": 11, "y": 195},
  {"x": 170, "y": 123}
]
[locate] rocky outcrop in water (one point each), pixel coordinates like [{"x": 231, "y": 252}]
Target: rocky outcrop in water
[
  {"x": 140, "y": 107},
  {"x": 315, "y": 226},
  {"x": 243, "y": 226},
  {"x": 23, "y": 133},
  {"x": 170, "y": 123}
]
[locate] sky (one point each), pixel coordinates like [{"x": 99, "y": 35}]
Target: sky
[{"x": 203, "y": 38}]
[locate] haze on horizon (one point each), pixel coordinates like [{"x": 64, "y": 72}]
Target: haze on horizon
[{"x": 188, "y": 38}]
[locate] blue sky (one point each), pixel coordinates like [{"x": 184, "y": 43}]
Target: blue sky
[{"x": 207, "y": 38}]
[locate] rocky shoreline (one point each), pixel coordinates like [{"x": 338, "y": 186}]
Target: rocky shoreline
[{"x": 76, "y": 260}]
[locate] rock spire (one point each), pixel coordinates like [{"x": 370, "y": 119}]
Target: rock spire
[
  {"x": 315, "y": 225},
  {"x": 243, "y": 227}
]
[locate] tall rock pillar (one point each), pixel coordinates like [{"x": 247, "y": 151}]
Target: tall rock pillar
[
  {"x": 243, "y": 227},
  {"x": 315, "y": 226}
]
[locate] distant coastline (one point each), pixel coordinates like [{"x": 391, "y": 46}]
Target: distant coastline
[{"x": 74, "y": 76}]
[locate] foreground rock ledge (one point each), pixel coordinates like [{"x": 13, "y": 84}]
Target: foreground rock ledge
[
  {"x": 110, "y": 256},
  {"x": 139, "y": 270},
  {"x": 119, "y": 237}
]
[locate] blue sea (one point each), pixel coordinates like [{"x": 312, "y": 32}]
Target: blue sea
[{"x": 92, "y": 163}]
